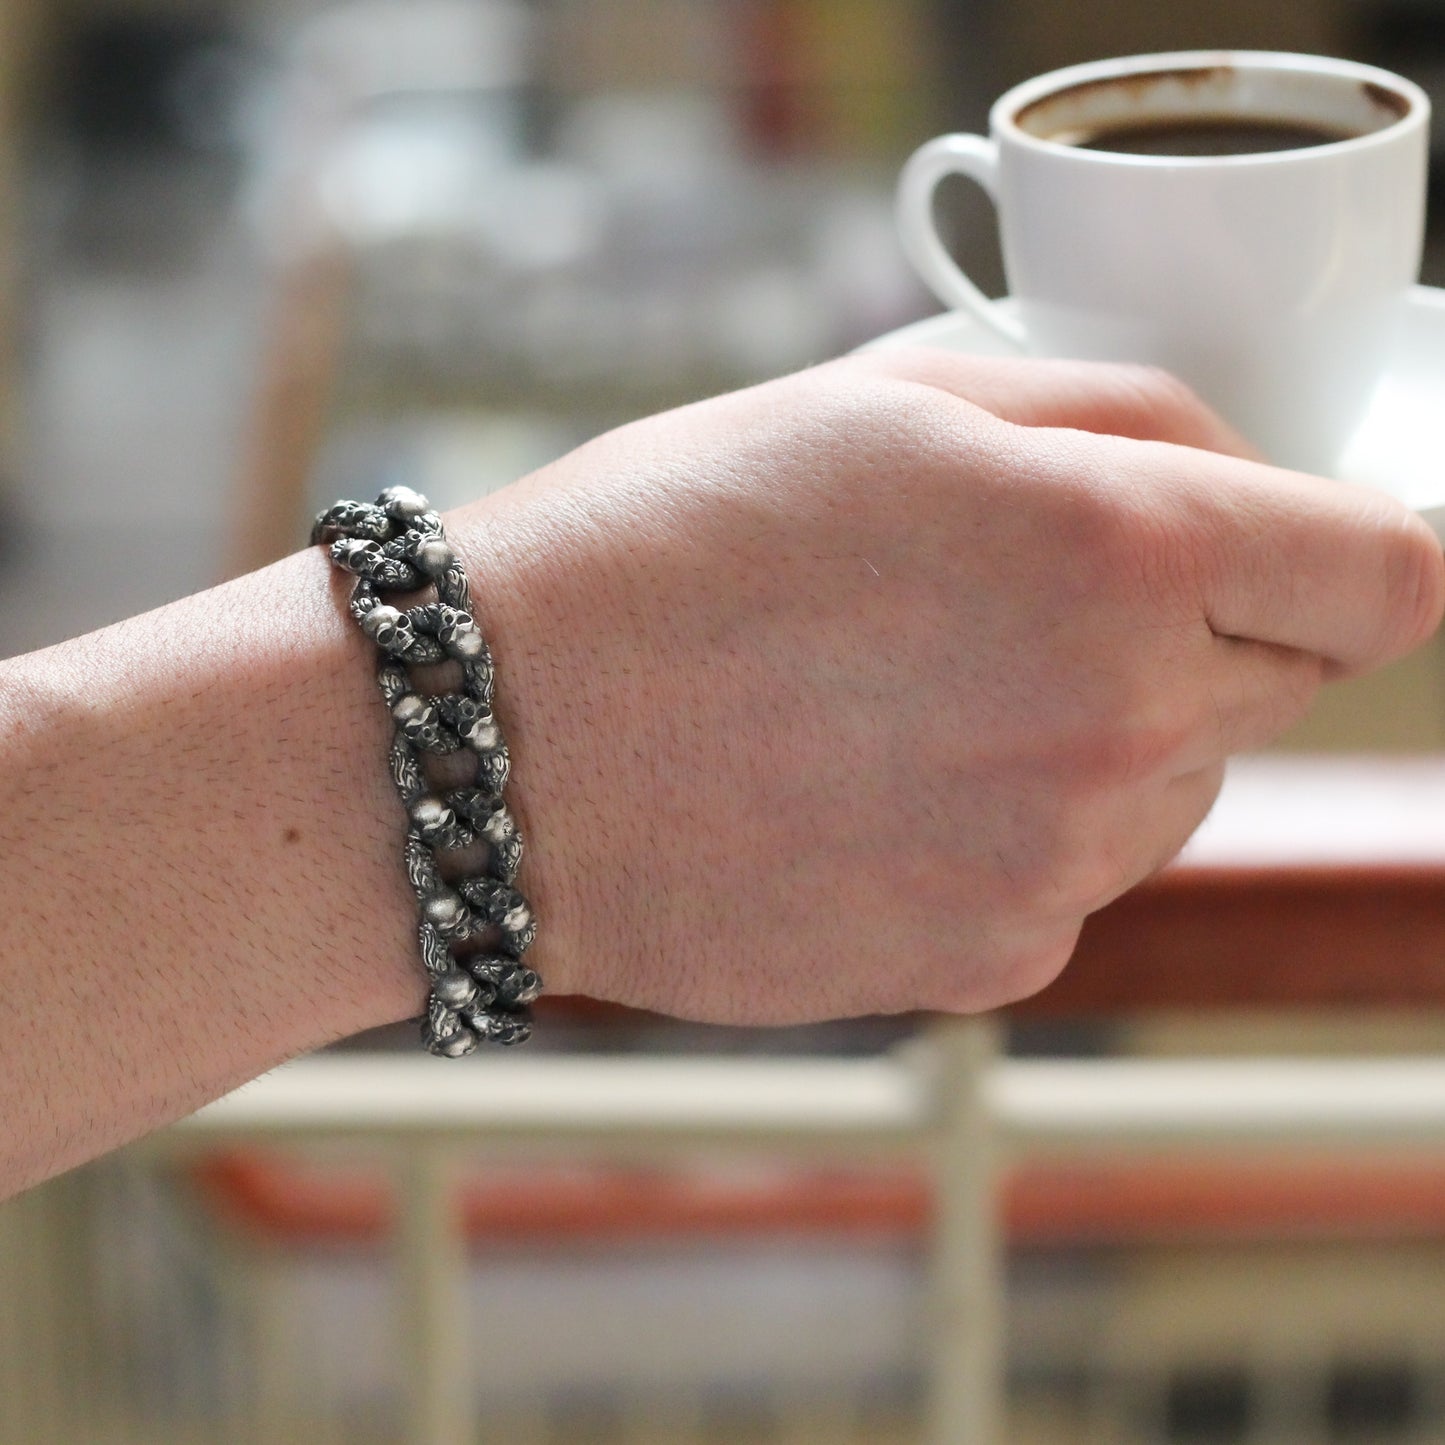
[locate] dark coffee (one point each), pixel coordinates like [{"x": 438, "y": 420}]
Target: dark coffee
[{"x": 1206, "y": 135}]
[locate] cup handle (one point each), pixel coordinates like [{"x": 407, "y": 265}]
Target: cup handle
[{"x": 945, "y": 155}]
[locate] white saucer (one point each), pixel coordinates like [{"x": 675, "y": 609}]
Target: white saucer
[{"x": 1400, "y": 446}]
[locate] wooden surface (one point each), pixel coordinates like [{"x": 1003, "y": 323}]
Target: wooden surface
[{"x": 1317, "y": 883}]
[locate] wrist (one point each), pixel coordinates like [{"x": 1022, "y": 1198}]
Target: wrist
[
  {"x": 591, "y": 707},
  {"x": 340, "y": 851},
  {"x": 513, "y": 604}
]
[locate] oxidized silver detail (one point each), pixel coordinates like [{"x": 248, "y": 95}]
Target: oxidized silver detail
[
  {"x": 437, "y": 825},
  {"x": 397, "y": 544},
  {"x": 402, "y": 504},
  {"x": 433, "y": 556},
  {"x": 457, "y": 588},
  {"x": 435, "y": 956},
  {"x": 391, "y": 678},
  {"x": 406, "y": 772},
  {"x": 477, "y": 677},
  {"x": 513, "y": 984},
  {"x": 456, "y": 988},
  {"x": 353, "y": 519},
  {"x": 421, "y": 868},
  {"x": 446, "y": 912},
  {"x": 499, "y": 1028},
  {"x": 491, "y": 821}
]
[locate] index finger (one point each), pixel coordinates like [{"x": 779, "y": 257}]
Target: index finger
[{"x": 1343, "y": 571}]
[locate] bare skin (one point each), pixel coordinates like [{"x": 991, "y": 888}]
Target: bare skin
[{"x": 853, "y": 692}]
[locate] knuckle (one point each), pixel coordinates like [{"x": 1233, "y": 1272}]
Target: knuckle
[
  {"x": 884, "y": 416},
  {"x": 1159, "y": 393},
  {"x": 1093, "y": 875},
  {"x": 1021, "y": 971},
  {"x": 1121, "y": 749},
  {"x": 1128, "y": 544},
  {"x": 1066, "y": 869}
]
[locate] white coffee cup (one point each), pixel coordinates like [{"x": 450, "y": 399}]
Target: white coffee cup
[{"x": 1270, "y": 280}]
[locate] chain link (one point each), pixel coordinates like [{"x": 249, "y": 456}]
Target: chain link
[{"x": 397, "y": 544}]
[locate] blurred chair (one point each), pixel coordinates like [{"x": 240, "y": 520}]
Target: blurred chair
[{"x": 1268, "y": 911}]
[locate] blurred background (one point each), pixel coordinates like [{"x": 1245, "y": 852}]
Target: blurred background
[{"x": 256, "y": 254}]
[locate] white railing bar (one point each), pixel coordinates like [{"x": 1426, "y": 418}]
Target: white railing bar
[
  {"x": 1035, "y": 1104},
  {"x": 878, "y": 1099},
  {"x": 1158, "y": 1103}
]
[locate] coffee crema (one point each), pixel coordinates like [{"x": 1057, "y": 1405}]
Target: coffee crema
[{"x": 1205, "y": 135}]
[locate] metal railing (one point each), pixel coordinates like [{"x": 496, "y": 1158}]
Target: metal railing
[{"x": 949, "y": 1100}]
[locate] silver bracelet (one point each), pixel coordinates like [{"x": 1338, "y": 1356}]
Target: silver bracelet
[{"x": 396, "y": 544}]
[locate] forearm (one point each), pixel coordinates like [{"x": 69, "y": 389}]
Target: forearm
[
  {"x": 200, "y": 855},
  {"x": 201, "y": 869}
]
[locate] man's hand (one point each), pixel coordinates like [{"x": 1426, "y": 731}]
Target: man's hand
[
  {"x": 852, "y": 692},
  {"x": 859, "y": 690}
]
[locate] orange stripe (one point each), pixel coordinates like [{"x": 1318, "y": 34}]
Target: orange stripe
[{"x": 296, "y": 1202}]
